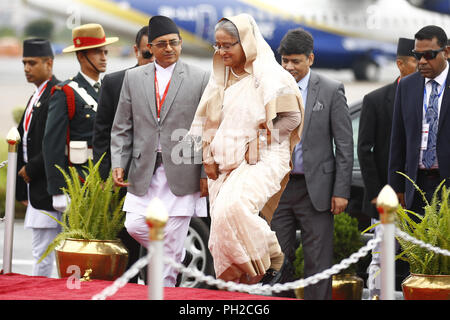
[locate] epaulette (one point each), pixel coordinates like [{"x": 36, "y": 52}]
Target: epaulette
[{"x": 60, "y": 85}]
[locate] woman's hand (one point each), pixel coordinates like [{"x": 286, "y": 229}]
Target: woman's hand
[{"x": 211, "y": 170}]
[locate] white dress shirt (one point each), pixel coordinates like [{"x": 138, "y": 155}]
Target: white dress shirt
[{"x": 176, "y": 206}]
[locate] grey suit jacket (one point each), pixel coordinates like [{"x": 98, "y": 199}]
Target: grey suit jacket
[
  {"x": 328, "y": 172},
  {"x": 136, "y": 131}
]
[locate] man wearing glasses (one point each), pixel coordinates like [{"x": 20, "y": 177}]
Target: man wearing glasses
[
  {"x": 101, "y": 141},
  {"x": 421, "y": 124},
  {"x": 157, "y": 104}
]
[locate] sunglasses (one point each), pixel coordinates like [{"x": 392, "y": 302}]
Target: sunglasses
[
  {"x": 428, "y": 55},
  {"x": 146, "y": 54}
]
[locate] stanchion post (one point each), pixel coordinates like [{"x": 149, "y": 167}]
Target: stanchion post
[
  {"x": 13, "y": 138},
  {"x": 387, "y": 204},
  {"x": 156, "y": 219}
]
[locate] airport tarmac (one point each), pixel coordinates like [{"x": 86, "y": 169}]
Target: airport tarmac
[{"x": 15, "y": 91}]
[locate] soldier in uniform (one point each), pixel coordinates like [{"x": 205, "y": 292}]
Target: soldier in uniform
[
  {"x": 31, "y": 185},
  {"x": 71, "y": 115}
]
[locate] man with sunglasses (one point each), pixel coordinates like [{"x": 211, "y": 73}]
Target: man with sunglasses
[
  {"x": 157, "y": 104},
  {"x": 421, "y": 124},
  {"x": 101, "y": 141}
]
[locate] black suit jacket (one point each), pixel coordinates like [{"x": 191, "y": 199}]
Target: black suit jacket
[
  {"x": 107, "y": 106},
  {"x": 39, "y": 197},
  {"x": 407, "y": 133},
  {"x": 374, "y": 139}
]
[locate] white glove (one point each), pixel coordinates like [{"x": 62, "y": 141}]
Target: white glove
[{"x": 60, "y": 202}]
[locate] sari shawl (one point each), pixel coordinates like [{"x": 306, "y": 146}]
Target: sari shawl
[{"x": 227, "y": 119}]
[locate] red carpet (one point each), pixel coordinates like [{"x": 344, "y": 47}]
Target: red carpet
[{"x": 15, "y": 286}]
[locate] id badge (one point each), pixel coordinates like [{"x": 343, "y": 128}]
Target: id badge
[{"x": 424, "y": 143}]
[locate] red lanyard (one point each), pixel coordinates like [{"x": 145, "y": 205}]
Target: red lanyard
[
  {"x": 30, "y": 110},
  {"x": 159, "y": 101}
]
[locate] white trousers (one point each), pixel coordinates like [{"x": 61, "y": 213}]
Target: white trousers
[
  {"x": 175, "y": 233},
  {"x": 40, "y": 239}
]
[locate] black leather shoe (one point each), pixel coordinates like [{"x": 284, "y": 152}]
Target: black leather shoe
[{"x": 269, "y": 276}]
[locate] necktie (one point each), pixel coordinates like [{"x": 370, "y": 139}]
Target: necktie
[
  {"x": 431, "y": 117},
  {"x": 97, "y": 86}
]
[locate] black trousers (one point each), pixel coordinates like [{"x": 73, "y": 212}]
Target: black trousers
[
  {"x": 427, "y": 181},
  {"x": 296, "y": 211}
]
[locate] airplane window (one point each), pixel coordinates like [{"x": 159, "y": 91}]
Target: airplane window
[{"x": 335, "y": 17}]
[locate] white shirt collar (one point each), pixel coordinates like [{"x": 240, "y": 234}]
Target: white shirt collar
[
  {"x": 90, "y": 80},
  {"x": 167, "y": 70},
  {"x": 441, "y": 77}
]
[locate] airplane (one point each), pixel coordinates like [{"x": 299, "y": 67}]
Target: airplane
[
  {"x": 442, "y": 6},
  {"x": 348, "y": 34}
]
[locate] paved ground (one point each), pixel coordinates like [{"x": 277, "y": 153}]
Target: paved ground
[{"x": 15, "y": 91}]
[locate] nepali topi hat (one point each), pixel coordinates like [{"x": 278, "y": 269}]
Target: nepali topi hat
[
  {"x": 89, "y": 36},
  {"x": 37, "y": 47},
  {"x": 405, "y": 47},
  {"x": 160, "y": 26}
]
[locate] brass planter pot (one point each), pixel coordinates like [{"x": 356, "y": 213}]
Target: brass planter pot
[
  {"x": 345, "y": 287},
  {"x": 106, "y": 258},
  {"x": 426, "y": 287}
]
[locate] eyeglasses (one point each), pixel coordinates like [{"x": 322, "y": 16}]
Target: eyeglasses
[
  {"x": 428, "y": 55},
  {"x": 163, "y": 44},
  {"x": 226, "y": 47}
]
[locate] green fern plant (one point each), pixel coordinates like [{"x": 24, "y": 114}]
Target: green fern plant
[
  {"x": 95, "y": 208},
  {"x": 433, "y": 228}
]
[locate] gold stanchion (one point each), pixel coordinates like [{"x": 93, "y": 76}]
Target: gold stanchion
[
  {"x": 156, "y": 220},
  {"x": 13, "y": 139},
  {"x": 387, "y": 204}
]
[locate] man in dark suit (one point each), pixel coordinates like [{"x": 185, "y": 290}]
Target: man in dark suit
[
  {"x": 319, "y": 184},
  {"x": 107, "y": 106},
  {"x": 31, "y": 185},
  {"x": 421, "y": 124},
  {"x": 373, "y": 144},
  {"x": 108, "y": 100},
  {"x": 375, "y": 129},
  {"x": 71, "y": 114}
]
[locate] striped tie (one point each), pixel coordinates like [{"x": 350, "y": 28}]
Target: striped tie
[{"x": 431, "y": 116}]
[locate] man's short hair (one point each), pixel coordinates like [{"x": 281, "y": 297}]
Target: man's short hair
[
  {"x": 142, "y": 32},
  {"x": 296, "y": 41},
  {"x": 430, "y": 32}
]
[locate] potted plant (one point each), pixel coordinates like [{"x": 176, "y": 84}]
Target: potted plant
[
  {"x": 347, "y": 240},
  {"x": 429, "y": 271},
  {"x": 90, "y": 226}
]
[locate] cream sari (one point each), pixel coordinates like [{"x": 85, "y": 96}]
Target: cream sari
[{"x": 229, "y": 115}]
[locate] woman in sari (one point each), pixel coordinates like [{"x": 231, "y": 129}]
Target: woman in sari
[{"x": 249, "y": 119}]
